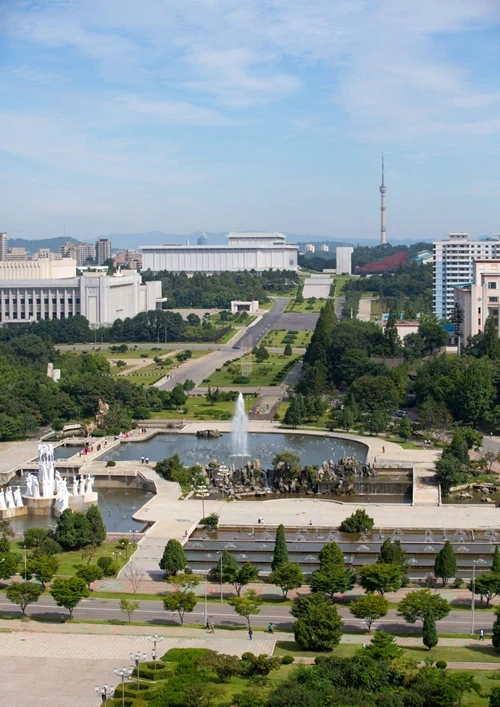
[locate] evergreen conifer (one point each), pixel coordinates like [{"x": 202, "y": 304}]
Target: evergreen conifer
[
  {"x": 174, "y": 559},
  {"x": 429, "y": 632},
  {"x": 280, "y": 554},
  {"x": 495, "y": 567},
  {"x": 495, "y": 638},
  {"x": 97, "y": 527},
  {"x": 445, "y": 565}
]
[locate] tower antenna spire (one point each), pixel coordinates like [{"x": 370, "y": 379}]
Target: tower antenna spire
[{"x": 382, "y": 189}]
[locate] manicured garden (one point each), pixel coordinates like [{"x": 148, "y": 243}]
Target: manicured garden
[
  {"x": 281, "y": 337},
  {"x": 198, "y": 408},
  {"x": 308, "y": 306},
  {"x": 246, "y": 371}
]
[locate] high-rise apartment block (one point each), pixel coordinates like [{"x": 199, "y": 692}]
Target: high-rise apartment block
[
  {"x": 102, "y": 250},
  {"x": 3, "y": 246},
  {"x": 480, "y": 298},
  {"x": 454, "y": 265},
  {"x": 344, "y": 260}
]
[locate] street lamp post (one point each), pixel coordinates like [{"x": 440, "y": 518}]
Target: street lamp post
[
  {"x": 123, "y": 674},
  {"x": 133, "y": 531},
  {"x": 155, "y": 639},
  {"x": 473, "y": 607},
  {"x": 25, "y": 564},
  {"x": 105, "y": 691},
  {"x": 221, "y": 590},
  {"x": 202, "y": 492},
  {"x": 137, "y": 657}
]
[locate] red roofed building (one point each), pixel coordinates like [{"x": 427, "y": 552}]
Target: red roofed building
[{"x": 392, "y": 262}]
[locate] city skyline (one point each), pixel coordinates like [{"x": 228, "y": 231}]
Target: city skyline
[{"x": 118, "y": 118}]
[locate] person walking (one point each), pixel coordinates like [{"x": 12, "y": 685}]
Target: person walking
[
  {"x": 481, "y": 635},
  {"x": 147, "y": 460},
  {"x": 270, "y": 628},
  {"x": 212, "y": 627},
  {"x": 142, "y": 460},
  {"x": 250, "y": 633}
]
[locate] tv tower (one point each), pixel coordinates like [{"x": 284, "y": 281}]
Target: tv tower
[{"x": 383, "y": 228}]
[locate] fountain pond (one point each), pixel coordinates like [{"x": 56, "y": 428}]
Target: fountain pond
[{"x": 262, "y": 446}]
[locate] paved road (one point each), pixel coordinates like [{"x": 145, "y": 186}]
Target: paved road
[
  {"x": 258, "y": 331},
  {"x": 223, "y": 615}
]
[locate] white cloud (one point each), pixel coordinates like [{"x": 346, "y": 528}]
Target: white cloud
[{"x": 178, "y": 112}]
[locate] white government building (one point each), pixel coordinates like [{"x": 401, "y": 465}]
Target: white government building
[
  {"x": 480, "y": 298},
  {"x": 343, "y": 256},
  {"x": 38, "y": 290},
  {"x": 244, "y": 251}
]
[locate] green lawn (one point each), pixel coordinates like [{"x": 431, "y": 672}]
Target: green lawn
[
  {"x": 304, "y": 307},
  {"x": 70, "y": 560},
  {"x": 237, "y": 324},
  {"x": 274, "y": 338},
  {"x": 340, "y": 281},
  {"x": 198, "y": 409},
  {"x": 257, "y": 374},
  {"x": 131, "y": 353},
  {"x": 451, "y": 654},
  {"x": 376, "y": 309}
]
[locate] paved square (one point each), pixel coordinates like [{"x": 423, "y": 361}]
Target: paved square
[{"x": 61, "y": 670}]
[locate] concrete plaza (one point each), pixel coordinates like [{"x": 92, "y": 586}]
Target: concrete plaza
[{"x": 60, "y": 666}]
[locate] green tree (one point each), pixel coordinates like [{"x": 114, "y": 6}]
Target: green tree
[
  {"x": 377, "y": 422},
  {"x": 6, "y": 533},
  {"x": 246, "y": 574},
  {"x": 65, "y": 533},
  {"x": 288, "y": 463},
  {"x": 332, "y": 580},
  {"x": 89, "y": 574},
  {"x": 380, "y": 578},
  {"x": 445, "y": 564},
  {"x": 224, "y": 666},
  {"x": 287, "y": 576},
  {"x": 495, "y": 638},
  {"x": 418, "y": 604},
  {"x": 375, "y": 393},
  {"x": 97, "y": 527},
  {"x": 173, "y": 559},
  {"x": 288, "y": 350},
  {"x": 495, "y": 567},
  {"x": 347, "y": 418},
  {"x": 434, "y": 415},
  {"x": 69, "y": 592},
  {"x": 370, "y": 608},
  {"x": 9, "y": 563},
  {"x": 404, "y": 428},
  {"x": 128, "y": 606},
  {"x": 357, "y": 522},
  {"x": 33, "y": 537},
  {"x": 229, "y": 565},
  {"x": 330, "y": 555},
  {"x": 392, "y": 553},
  {"x": 383, "y": 646},
  {"x": 43, "y": 568},
  {"x": 487, "y": 586},
  {"x": 280, "y": 554},
  {"x": 494, "y": 697},
  {"x": 429, "y": 632},
  {"x": 181, "y": 602},
  {"x": 449, "y": 472},
  {"x": 262, "y": 354},
  {"x": 23, "y": 594},
  {"x": 296, "y": 411},
  {"x": 247, "y": 605},
  {"x": 319, "y": 628}
]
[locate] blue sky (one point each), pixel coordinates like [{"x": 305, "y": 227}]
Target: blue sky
[{"x": 184, "y": 115}]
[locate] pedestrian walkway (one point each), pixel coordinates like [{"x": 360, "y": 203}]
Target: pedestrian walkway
[{"x": 425, "y": 488}]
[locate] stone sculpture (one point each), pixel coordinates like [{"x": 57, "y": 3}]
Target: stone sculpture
[
  {"x": 18, "y": 500},
  {"x": 46, "y": 469},
  {"x": 3, "y": 505},
  {"x": 9, "y": 498},
  {"x": 62, "y": 496}
]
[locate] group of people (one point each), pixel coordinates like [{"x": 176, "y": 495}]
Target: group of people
[
  {"x": 144, "y": 460},
  {"x": 210, "y": 627}
]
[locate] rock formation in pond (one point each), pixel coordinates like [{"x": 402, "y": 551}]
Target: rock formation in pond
[{"x": 334, "y": 478}]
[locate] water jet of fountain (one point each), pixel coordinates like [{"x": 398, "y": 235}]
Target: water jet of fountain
[{"x": 239, "y": 429}]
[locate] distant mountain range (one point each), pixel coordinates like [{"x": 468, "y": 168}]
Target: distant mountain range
[
  {"x": 32, "y": 246},
  {"x": 136, "y": 240}
]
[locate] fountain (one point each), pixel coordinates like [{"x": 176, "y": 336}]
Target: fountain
[
  {"x": 239, "y": 429},
  {"x": 46, "y": 492}
]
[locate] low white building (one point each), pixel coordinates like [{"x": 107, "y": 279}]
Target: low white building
[
  {"x": 244, "y": 251},
  {"x": 343, "y": 255},
  {"x": 480, "y": 298},
  {"x": 252, "y": 306},
  {"x": 94, "y": 295}
]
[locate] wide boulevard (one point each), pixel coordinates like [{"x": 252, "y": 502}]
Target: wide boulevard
[{"x": 458, "y": 621}]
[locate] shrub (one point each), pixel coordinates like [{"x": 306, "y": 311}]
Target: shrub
[
  {"x": 441, "y": 664},
  {"x": 111, "y": 463},
  {"x": 147, "y": 671},
  {"x": 241, "y": 380},
  {"x": 211, "y": 521},
  {"x": 134, "y": 690},
  {"x": 186, "y": 655},
  {"x": 107, "y": 565},
  {"x": 247, "y": 656},
  {"x": 287, "y": 660}
]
